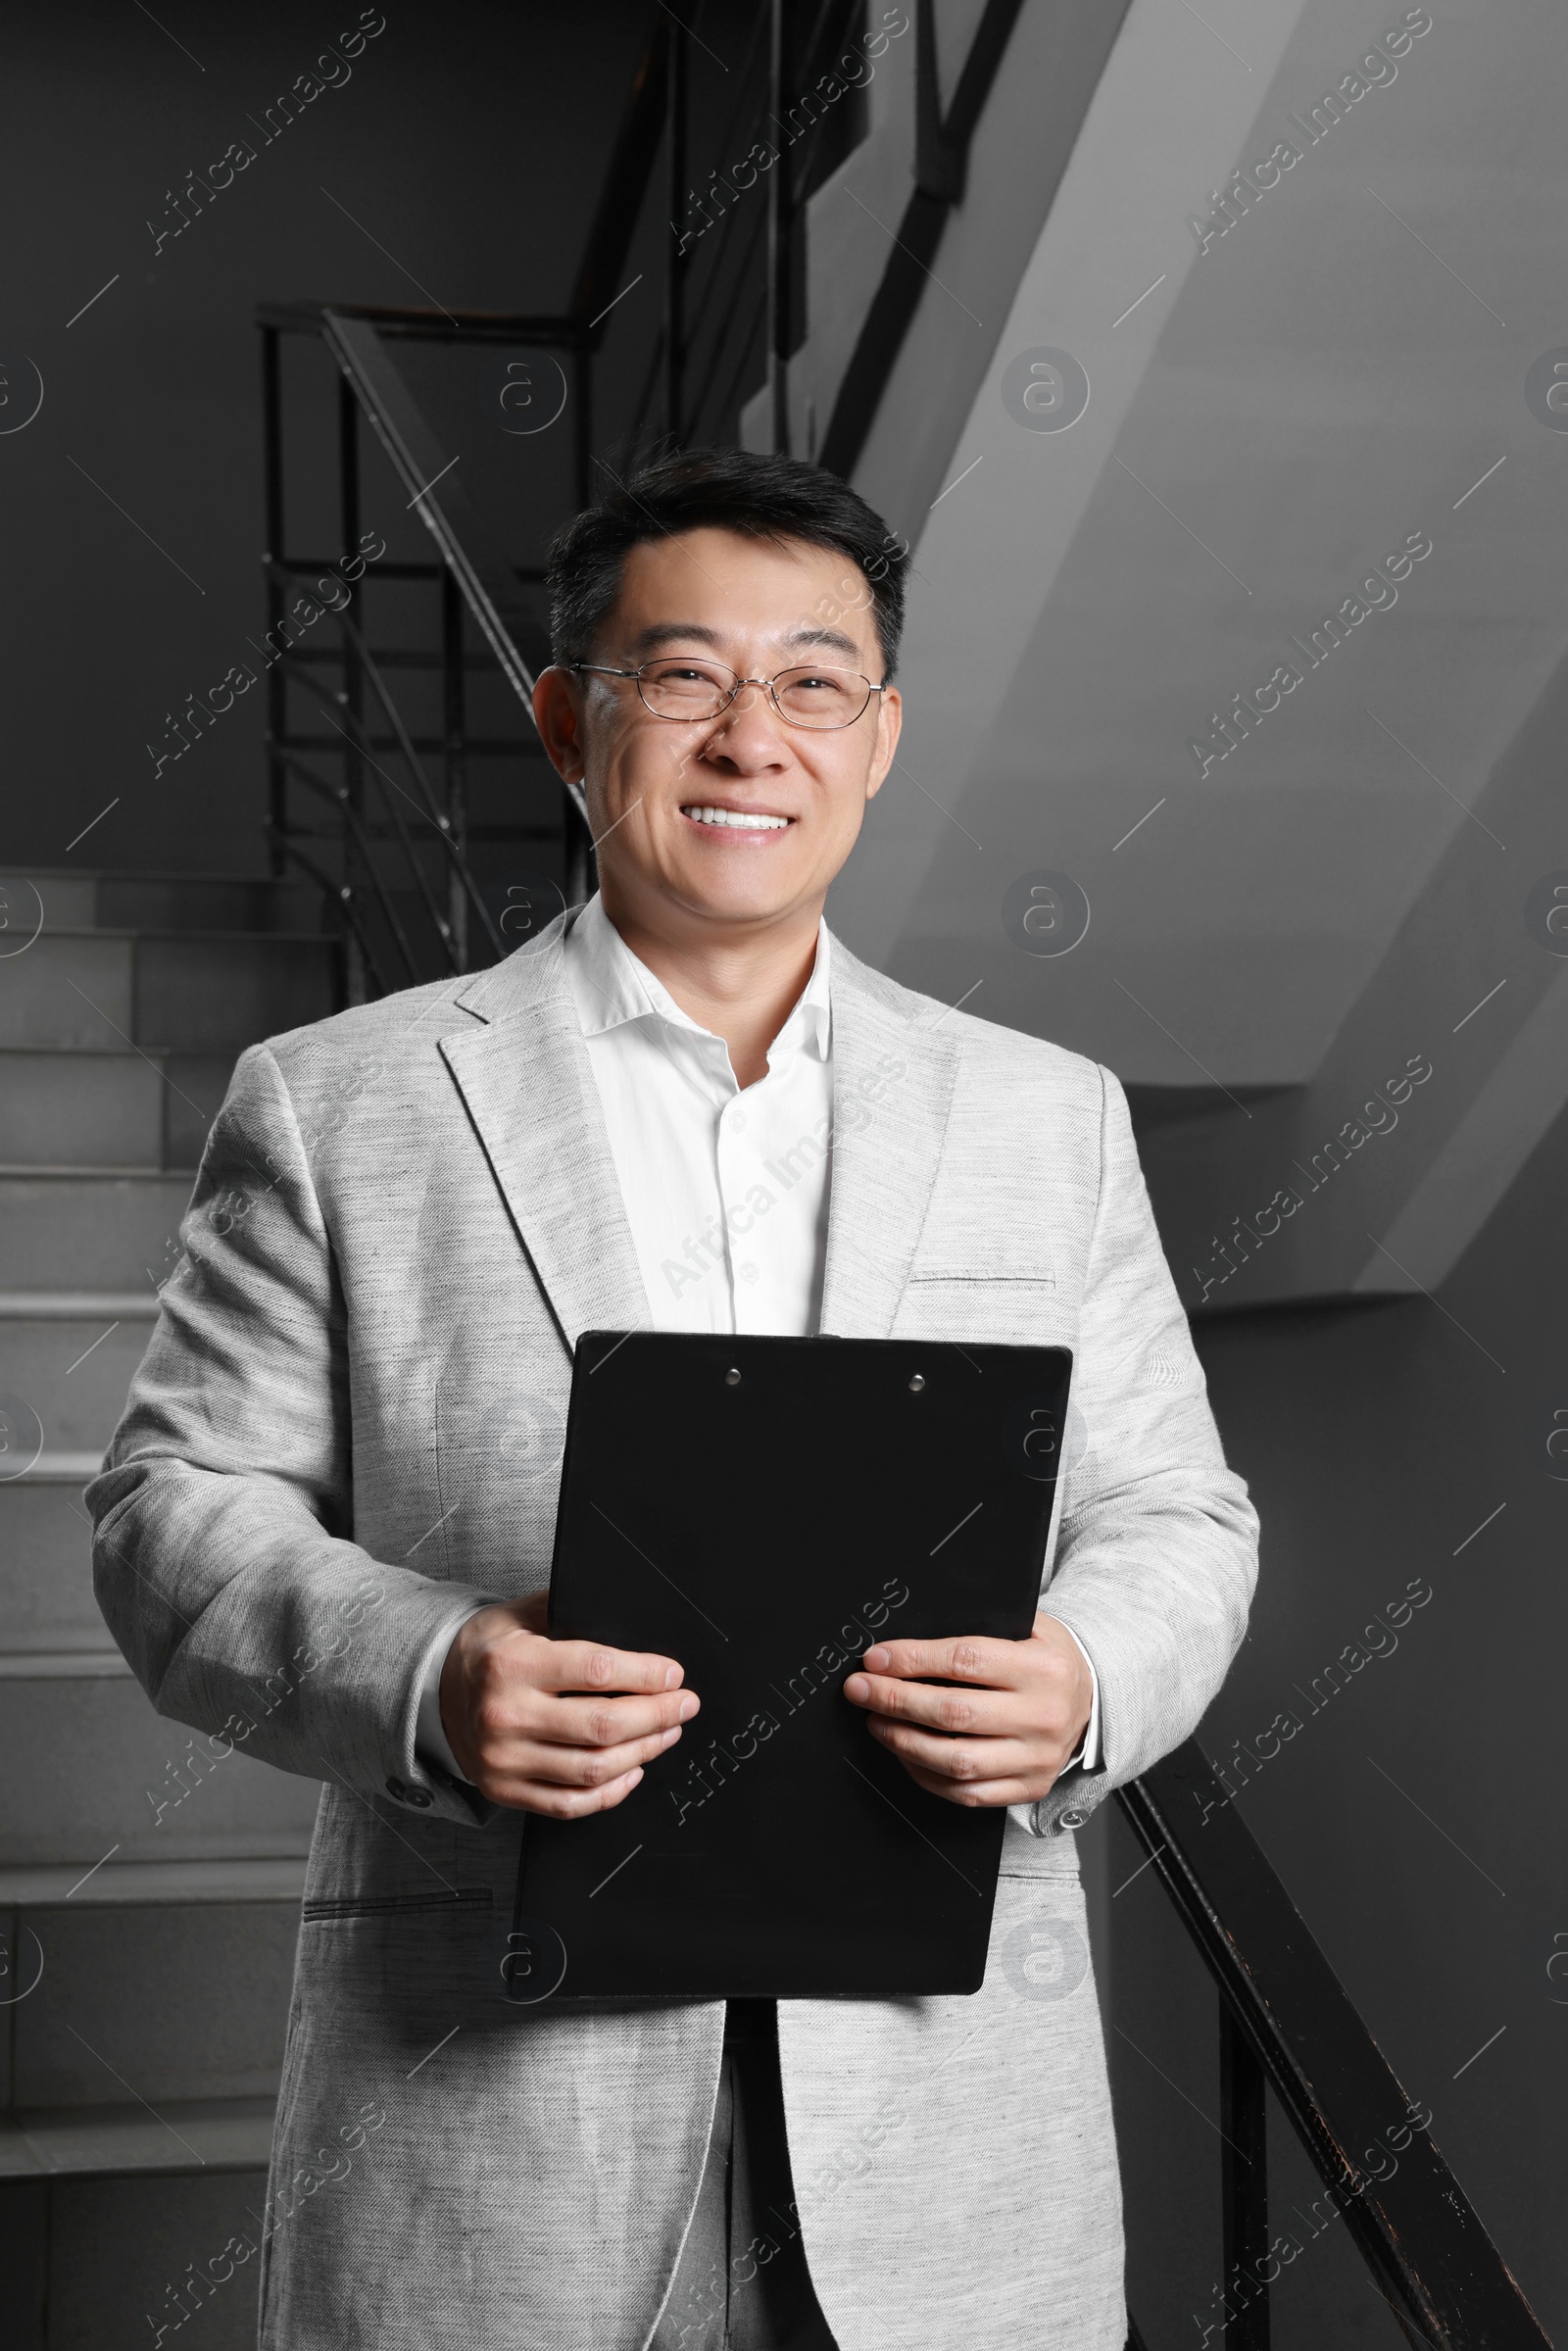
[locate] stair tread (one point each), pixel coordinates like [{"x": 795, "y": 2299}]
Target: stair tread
[
  {"x": 120, "y": 930},
  {"x": 202, "y": 879},
  {"x": 63, "y": 1665},
  {"x": 222, "y": 2135},
  {"x": 76, "y": 1171},
  {"x": 43, "y": 1885},
  {"x": 59, "y": 1469},
  {"x": 70, "y": 1305},
  {"x": 61, "y": 1046},
  {"x": 133, "y": 1170}
]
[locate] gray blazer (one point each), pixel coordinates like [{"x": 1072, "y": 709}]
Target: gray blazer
[{"x": 347, "y": 1430}]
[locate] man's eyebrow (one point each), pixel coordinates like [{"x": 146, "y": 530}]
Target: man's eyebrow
[
  {"x": 670, "y": 632},
  {"x": 832, "y": 639},
  {"x": 693, "y": 632}
]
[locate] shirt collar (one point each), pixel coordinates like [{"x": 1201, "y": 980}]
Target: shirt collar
[{"x": 611, "y": 986}]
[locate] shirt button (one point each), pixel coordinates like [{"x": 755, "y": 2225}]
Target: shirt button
[{"x": 738, "y": 1121}]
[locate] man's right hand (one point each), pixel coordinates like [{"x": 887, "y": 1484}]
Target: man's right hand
[{"x": 559, "y": 1727}]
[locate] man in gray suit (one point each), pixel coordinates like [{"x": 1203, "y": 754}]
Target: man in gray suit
[{"x": 324, "y": 1525}]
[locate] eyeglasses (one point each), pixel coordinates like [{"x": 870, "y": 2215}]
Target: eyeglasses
[{"x": 691, "y": 690}]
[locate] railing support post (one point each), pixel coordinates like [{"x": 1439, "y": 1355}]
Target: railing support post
[
  {"x": 778, "y": 235},
  {"x": 675, "y": 266},
  {"x": 277, "y": 712},
  {"x": 353, "y": 697},
  {"x": 454, "y": 720},
  {"x": 1244, "y": 2157}
]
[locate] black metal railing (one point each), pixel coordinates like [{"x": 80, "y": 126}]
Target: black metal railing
[
  {"x": 942, "y": 141},
  {"x": 376, "y": 811},
  {"x": 1287, "y": 2026}
]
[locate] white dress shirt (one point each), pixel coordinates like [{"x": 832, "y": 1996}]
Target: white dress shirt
[{"x": 725, "y": 1188}]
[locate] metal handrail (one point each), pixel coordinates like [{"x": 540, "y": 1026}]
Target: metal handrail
[
  {"x": 442, "y": 823},
  {"x": 1289, "y": 2024},
  {"x": 468, "y": 548},
  {"x": 341, "y": 797},
  {"x": 341, "y": 894},
  {"x": 942, "y": 155},
  {"x": 361, "y": 338}
]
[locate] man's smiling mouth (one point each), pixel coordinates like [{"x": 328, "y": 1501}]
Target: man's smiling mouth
[{"x": 744, "y": 820}]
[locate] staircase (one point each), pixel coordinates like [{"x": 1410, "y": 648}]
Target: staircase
[{"x": 148, "y": 1901}]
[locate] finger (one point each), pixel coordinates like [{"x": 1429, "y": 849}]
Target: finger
[
  {"x": 992, "y": 1713},
  {"x": 532, "y": 1761},
  {"x": 589, "y": 1665},
  {"x": 975, "y": 1796},
  {"x": 965, "y": 1761},
  {"x": 566, "y": 1803},
  {"x": 961, "y": 1657},
  {"x": 580, "y": 1722}
]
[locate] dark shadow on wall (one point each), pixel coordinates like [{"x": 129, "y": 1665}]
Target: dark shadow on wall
[
  {"x": 455, "y": 158},
  {"x": 1397, "y": 1451}
]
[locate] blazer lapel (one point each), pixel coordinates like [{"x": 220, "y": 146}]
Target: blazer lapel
[
  {"x": 891, "y": 1089},
  {"x": 522, "y": 1072}
]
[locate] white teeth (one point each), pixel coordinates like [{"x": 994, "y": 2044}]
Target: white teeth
[{"x": 741, "y": 822}]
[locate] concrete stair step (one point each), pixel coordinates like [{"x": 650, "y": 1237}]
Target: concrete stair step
[
  {"x": 47, "y": 1606},
  {"x": 83, "y": 1664},
  {"x": 73, "y": 1369},
  {"x": 80, "y": 1229},
  {"x": 133, "y": 1885},
  {"x": 72, "y": 988},
  {"x": 138, "y": 2079},
  {"x": 81, "y": 2249},
  {"x": 153, "y": 1886},
  {"x": 152, "y": 901},
  {"x": 91, "y": 1770},
  {"x": 62, "y": 1108},
  {"x": 58, "y": 1469},
  {"x": 31, "y": 895},
  {"x": 149, "y": 1993},
  {"x": 157, "y": 902},
  {"x": 203, "y": 992},
  {"x": 227, "y": 2134},
  {"x": 190, "y": 991},
  {"x": 85, "y": 1108},
  {"x": 76, "y": 1305}
]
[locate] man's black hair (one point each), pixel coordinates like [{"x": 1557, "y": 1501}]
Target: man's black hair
[{"x": 778, "y": 497}]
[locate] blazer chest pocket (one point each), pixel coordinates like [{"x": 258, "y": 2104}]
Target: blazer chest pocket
[
  {"x": 466, "y": 1899},
  {"x": 1018, "y": 1309}
]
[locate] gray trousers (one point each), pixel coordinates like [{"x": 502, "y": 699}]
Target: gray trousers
[{"x": 742, "y": 2283}]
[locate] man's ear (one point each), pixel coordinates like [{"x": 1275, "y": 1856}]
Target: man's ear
[
  {"x": 559, "y": 715},
  {"x": 889, "y": 726}
]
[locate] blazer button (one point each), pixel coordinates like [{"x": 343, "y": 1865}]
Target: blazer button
[
  {"x": 1072, "y": 1819},
  {"x": 420, "y": 1798}
]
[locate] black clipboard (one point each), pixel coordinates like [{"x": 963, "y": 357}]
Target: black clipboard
[{"x": 765, "y": 1509}]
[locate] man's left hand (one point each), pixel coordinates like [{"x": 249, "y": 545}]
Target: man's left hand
[{"x": 1001, "y": 1736}]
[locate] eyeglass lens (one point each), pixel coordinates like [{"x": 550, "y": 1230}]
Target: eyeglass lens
[{"x": 693, "y": 689}]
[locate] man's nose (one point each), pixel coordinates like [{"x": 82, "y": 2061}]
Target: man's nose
[{"x": 750, "y": 731}]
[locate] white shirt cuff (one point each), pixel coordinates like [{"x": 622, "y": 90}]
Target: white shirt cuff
[
  {"x": 430, "y": 1744},
  {"x": 1089, "y": 1752}
]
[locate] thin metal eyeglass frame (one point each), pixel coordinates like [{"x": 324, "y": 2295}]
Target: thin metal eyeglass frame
[{"x": 603, "y": 669}]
